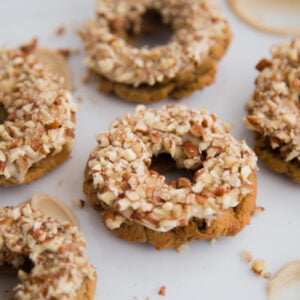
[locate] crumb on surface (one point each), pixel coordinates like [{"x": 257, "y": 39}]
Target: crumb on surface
[
  {"x": 246, "y": 256},
  {"x": 259, "y": 266},
  {"x": 66, "y": 52},
  {"x": 267, "y": 275},
  {"x": 162, "y": 291},
  {"x": 79, "y": 203},
  {"x": 213, "y": 241},
  {"x": 60, "y": 182},
  {"x": 258, "y": 210},
  {"x": 79, "y": 99},
  {"x": 60, "y": 30},
  {"x": 182, "y": 248},
  {"x": 30, "y": 46}
]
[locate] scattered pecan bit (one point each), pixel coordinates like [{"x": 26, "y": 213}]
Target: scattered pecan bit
[
  {"x": 65, "y": 52},
  {"x": 258, "y": 266},
  {"x": 162, "y": 291},
  {"x": 182, "y": 248},
  {"x": 190, "y": 149},
  {"x": 29, "y": 47},
  {"x": 258, "y": 210},
  {"x": 264, "y": 63},
  {"x": 267, "y": 275},
  {"x": 60, "y": 30},
  {"x": 79, "y": 203},
  {"x": 246, "y": 256}
]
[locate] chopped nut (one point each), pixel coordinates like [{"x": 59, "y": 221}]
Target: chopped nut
[
  {"x": 246, "y": 256},
  {"x": 79, "y": 203},
  {"x": 259, "y": 266},
  {"x": 182, "y": 248},
  {"x": 162, "y": 291},
  {"x": 60, "y": 30},
  {"x": 258, "y": 210}
]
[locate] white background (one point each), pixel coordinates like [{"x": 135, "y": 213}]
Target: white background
[{"x": 128, "y": 270}]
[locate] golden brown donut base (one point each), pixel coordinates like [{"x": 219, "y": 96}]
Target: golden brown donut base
[
  {"x": 273, "y": 160},
  {"x": 86, "y": 291},
  {"x": 40, "y": 168},
  {"x": 181, "y": 86},
  {"x": 232, "y": 221}
]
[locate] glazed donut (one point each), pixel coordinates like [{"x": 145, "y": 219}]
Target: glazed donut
[
  {"x": 188, "y": 62},
  {"x": 139, "y": 205},
  {"x": 36, "y": 132},
  {"x": 50, "y": 257},
  {"x": 274, "y": 110}
]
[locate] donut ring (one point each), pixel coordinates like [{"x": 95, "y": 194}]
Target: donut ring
[
  {"x": 188, "y": 62},
  {"x": 50, "y": 257},
  {"x": 274, "y": 110},
  {"x": 137, "y": 202},
  {"x": 36, "y": 134}
]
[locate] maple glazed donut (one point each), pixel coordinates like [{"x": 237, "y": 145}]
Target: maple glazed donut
[
  {"x": 140, "y": 206},
  {"x": 187, "y": 62},
  {"x": 50, "y": 257},
  {"x": 274, "y": 110},
  {"x": 36, "y": 120}
]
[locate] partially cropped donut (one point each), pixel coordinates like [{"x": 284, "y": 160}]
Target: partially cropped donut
[
  {"x": 37, "y": 122},
  {"x": 274, "y": 110},
  {"x": 187, "y": 62},
  {"x": 139, "y": 205},
  {"x": 50, "y": 258}
]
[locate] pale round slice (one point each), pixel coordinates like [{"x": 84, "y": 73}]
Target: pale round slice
[
  {"x": 54, "y": 208},
  {"x": 56, "y": 62},
  {"x": 285, "y": 285},
  {"x": 274, "y": 16}
]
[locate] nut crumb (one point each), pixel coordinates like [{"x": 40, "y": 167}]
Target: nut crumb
[
  {"x": 78, "y": 202},
  {"x": 60, "y": 182},
  {"x": 65, "y": 52},
  {"x": 267, "y": 275},
  {"x": 258, "y": 266},
  {"x": 182, "y": 248},
  {"x": 60, "y": 30},
  {"x": 162, "y": 291},
  {"x": 213, "y": 241},
  {"x": 29, "y": 47},
  {"x": 246, "y": 256},
  {"x": 258, "y": 210},
  {"x": 79, "y": 99}
]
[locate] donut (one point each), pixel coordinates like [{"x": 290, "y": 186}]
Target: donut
[
  {"x": 186, "y": 63},
  {"x": 137, "y": 202},
  {"x": 50, "y": 258},
  {"x": 36, "y": 119},
  {"x": 274, "y": 110}
]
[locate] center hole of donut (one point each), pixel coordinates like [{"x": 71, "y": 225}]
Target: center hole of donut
[
  {"x": 3, "y": 114},
  {"x": 9, "y": 279},
  {"x": 165, "y": 165},
  {"x": 153, "y": 31}
]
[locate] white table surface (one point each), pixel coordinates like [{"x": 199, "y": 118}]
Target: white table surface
[{"x": 127, "y": 270}]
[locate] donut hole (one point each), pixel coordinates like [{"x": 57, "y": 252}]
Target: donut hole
[
  {"x": 152, "y": 31},
  {"x": 8, "y": 275},
  {"x": 165, "y": 165},
  {"x": 3, "y": 114}
]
